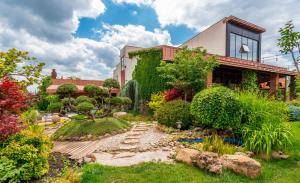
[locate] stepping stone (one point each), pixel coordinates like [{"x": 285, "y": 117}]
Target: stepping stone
[
  {"x": 132, "y": 141},
  {"x": 140, "y": 130},
  {"x": 128, "y": 147},
  {"x": 135, "y": 133},
  {"x": 124, "y": 155},
  {"x": 131, "y": 137}
]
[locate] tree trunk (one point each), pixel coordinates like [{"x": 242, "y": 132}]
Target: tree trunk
[{"x": 295, "y": 61}]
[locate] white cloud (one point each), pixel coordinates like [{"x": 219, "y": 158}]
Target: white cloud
[
  {"x": 136, "y": 35},
  {"x": 136, "y": 2}
]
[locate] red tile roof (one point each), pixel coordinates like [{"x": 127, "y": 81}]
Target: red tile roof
[
  {"x": 244, "y": 23},
  {"x": 79, "y": 83}
]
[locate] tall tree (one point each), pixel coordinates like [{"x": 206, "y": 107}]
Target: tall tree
[
  {"x": 15, "y": 63},
  {"x": 289, "y": 41},
  {"x": 189, "y": 69}
]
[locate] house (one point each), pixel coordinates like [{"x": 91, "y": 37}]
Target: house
[
  {"x": 237, "y": 46},
  {"x": 80, "y": 84}
]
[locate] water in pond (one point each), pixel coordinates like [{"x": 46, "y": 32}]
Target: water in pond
[{"x": 229, "y": 140}]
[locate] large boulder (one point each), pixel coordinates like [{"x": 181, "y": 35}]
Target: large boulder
[
  {"x": 208, "y": 161},
  {"x": 55, "y": 118},
  {"x": 242, "y": 165},
  {"x": 119, "y": 114},
  {"x": 186, "y": 155}
]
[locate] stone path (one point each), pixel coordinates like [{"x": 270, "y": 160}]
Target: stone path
[{"x": 140, "y": 144}]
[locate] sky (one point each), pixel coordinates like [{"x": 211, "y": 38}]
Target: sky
[{"x": 83, "y": 37}]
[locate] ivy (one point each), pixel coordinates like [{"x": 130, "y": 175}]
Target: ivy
[
  {"x": 145, "y": 72},
  {"x": 249, "y": 82}
]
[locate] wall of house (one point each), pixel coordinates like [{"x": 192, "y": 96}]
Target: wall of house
[
  {"x": 117, "y": 73},
  {"x": 213, "y": 39}
]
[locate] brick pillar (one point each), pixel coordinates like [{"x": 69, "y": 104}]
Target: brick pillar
[
  {"x": 209, "y": 81},
  {"x": 274, "y": 84},
  {"x": 293, "y": 88},
  {"x": 286, "y": 98}
]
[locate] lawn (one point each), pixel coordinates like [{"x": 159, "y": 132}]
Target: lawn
[
  {"x": 79, "y": 128},
  {"x": 283, "y": 171}
]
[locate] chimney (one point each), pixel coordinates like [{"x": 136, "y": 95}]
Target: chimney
[{"x": 53, "y": 74}]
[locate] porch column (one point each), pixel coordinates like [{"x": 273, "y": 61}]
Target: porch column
[
  {"x": 209, "y": 80},
  {"x": 286, "y": 98},
  {"x": 274, "y": 84},
  {"x": 293, "y": 88}
]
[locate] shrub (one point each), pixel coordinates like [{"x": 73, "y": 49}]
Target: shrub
[
  {"x": 157, "y": 100},
  {"x": 126, "y": 100},
  {"x": 258, "y": 109},
  {"x": 85, "y": 107},
  {"x": 249, "y": 82},
  {"x": 29, "y": 117},
  {"x": 24, "y": 156},
  {"x": 294, "y": 113},
  {"x": 83, "y": 98},
  {"x": 295, "y": 102},
  {"x": 173, "y": 94},
  {"x": 216, "y": 107},
  {"x": 216, "y": 144},
  {"x": 66, "y": 90},
  {"x": 92, "y": 90},
  {"x": 53, "y": 98},
  {"x": 55, "y": 107},
  {"x": 270, "y": 136},
  {"x": 174, "y": 111}
]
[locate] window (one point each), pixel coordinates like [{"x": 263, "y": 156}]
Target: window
[{"x": 243, "y": 47}]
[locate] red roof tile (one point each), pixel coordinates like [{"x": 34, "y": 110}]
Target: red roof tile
[{"x": 244, "y": 23}]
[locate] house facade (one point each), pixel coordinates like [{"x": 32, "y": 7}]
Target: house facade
[{"x": 236, "y": 44}]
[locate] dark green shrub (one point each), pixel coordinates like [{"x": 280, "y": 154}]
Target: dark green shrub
[
  {"x": 66, "y": 90},
  {"x": 115, "y": 100},
  {"x": 216, "y": 108},
  {"x": 294, "y": 113},
  {"x": 85, "y": 107},
  {"x": 249, "y": 82},
  {"x": 132, "y": 90},
  {"x": 126, "y": 100},
  {"x": 92, "y": 90},
  {"x": 55, "y": 107},
  {"x": 174, "y": 111},
  {"x": 83, "y": 98}
]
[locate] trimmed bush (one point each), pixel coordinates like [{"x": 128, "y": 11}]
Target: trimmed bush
[
  {"x": 55, "y": 107},
  {"x": 66, "y": 90},
  {"x": 216, "y": 108},
  {"x": 85, "y": 107},
  {"x": 83, "y": 98},
  {"x": 157, "y": 100},
  {"x": 294, "y": 113},
  {"x": 174, "y": 111}
]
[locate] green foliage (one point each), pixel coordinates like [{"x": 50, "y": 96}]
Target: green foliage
[
  {"x": 24, "y": 156},
  {"x": 67, "y": 101},
  {"x": 92, "y": 90},
  {"x": 30, "y": 71},
  {"x": 55, "y": 107},
  {"x": 85, "y": 107},
  {"x": 294, "y": 113},
  {"x": 175, "y": 111},
  {"x": 249, "y": 82},
  {"x": 131, "y": 90},
  {"x": 269, "y": 136},
  {"x": 216, "y": 108},
  {"x": 53, "y": 98},
  {"x": 42, "y": 103},
  {"x": 99, "y": 127},
  {"x": 157, "y": 100},
  {"x": 111, "y": 83},
  {"x": 217, "y": 145},
  {"x": 83, "y": 98},
  {"x": 146, "y": 74},
  {"x": 79, "y": 117},
  {"x": 66, "y": 90},
  {"x": 258, "y": 109},
  {"x": 289, "y": 40},
  {"x": 132, "y": 117},
  {"x": 189, "y": 69},
  {"x": 29, "y": 117}
]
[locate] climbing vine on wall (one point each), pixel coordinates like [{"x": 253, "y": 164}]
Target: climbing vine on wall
[
  {"x": 249, "y": 82},
  {"x": 145, "y": 72}
]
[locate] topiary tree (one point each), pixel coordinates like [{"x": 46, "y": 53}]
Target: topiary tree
[
  {"x": 85, "y": 108},
  {"x": 83, "y": 98},
  {"x": 125, "y": 102},
  {"x": 66, "y": 91},
  {"x": 216, "y": 108},
  {"x": 55, "y": 107},
  {"x": 170, "y": 113},
  {"x": 110, "y": 84},
  {"x": 92, "y": 90},
  {"x": 97, "y": 93}
]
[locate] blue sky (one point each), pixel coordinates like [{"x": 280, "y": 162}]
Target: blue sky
[{"x": 83, "y": 37}]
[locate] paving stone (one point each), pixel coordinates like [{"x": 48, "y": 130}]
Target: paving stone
[
  {"x": 124, "y": 155},
  {"x": 128, "y": 147},
  {"x": 132, "y": 141},
  {"x": 135, "y": 133}
]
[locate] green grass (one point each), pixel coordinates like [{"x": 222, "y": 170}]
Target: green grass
[
  {"x": 79, "y": 128},
  {"x": 281, "y": 171}
]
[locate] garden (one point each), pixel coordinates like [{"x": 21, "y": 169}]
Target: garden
[{"x": 164, "y": 126}]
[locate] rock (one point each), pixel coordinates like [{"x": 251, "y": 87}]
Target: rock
[
  {"x": 55, "y": 119},
  {"x": 92, "y": 157},
  {"x": 208, "y": 161},
  {"x": 278, "y": 155},
  {"x": 119, "y": 114},
  {"x": 87, "y": 160},
  {"x": 185, "y": 155},
  {"x": 89, "y": 136},
  {"x": 240, "y": 153},
  {"x": 250, "y": 154},
  {"x": 125, "y": 155},
  {"x": 106, "y": 135},
  {"x": 165, "y": 149},
  {"x": 242, "y": 165}
]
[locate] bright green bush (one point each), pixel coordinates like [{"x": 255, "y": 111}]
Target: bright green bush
[
  {"x": 52, "y": 98},
  {"x": 29, "y": 117},
  {"x": 216, "y": 108},
  {"x": 66, "y": 90},
  {"x": 55, "y": 107},
  {"x": 270, "y": 136},
  {"x": 85, "y": 107},
  {"x": 216, "y": 144},
  {"x": 249, "y": 82},
  {"x": 157, "y": 100},
  {"x": 174, "y": 111},
  {"x": 83, "y": 98},
  {"x": 24, "y": 156},
  {"x": 126, "y": 100}
]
